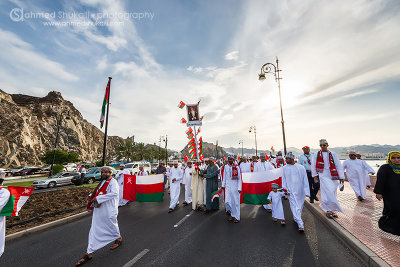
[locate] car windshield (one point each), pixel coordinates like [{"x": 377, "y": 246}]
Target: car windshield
[
  {"x": 57, "y": 175},
  {"x": 128, "y": 165}
]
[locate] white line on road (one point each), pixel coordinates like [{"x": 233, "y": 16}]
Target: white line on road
[
  {"x": 136, "y": 258},
  {"x": 183, "y": 219}
]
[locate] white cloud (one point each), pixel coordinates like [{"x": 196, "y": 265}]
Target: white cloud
[{"x": 234, "y": 55}]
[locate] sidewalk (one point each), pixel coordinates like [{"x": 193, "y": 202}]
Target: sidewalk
[{"x": 361, "y": 220}]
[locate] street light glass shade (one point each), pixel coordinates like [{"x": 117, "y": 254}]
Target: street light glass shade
[{"x": 261, "y": 77}]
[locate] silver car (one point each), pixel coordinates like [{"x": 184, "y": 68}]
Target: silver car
[{"x": 62, "y": 178}]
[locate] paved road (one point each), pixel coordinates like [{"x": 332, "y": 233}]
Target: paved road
[{"x": 163, "y": 239}]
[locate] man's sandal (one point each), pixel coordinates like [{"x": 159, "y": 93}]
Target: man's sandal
[
  {"x": 329, "y": 215},
  {"x": 230, "y": 218},
  {"x": 283, "y": 222},
  {"x": 84, "y": 259},
  {"x": 334, "y": 215},
  {"x": 236, "y": 221},
  {"x": 116, "y": 244}
]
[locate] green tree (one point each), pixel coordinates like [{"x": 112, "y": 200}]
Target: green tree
[
  {"x": 126, "y": 151},
  {"x": 57, "y": 168},
  {"x": 60, "y": 157},
  {"x": 140, "y": 151}
]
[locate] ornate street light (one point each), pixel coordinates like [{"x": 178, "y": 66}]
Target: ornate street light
[{"x": 271, "y": 68}]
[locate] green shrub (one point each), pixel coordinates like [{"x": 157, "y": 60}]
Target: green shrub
[{"x": 57, "y": 169}]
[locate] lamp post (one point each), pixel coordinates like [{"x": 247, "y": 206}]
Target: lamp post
[
  {"x": 159, "y": 150},
  {"x": 166, "y": 151},
  {"x": 253, "y": 128},
  {"x": 241, "y": 142},
  {"x": 271, "y": 68},
  {"x": 59, "y": 118}
]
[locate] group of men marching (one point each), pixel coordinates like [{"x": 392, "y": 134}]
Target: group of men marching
[{"x": 299, "y": 180}]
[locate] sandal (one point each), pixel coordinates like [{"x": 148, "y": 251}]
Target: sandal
[
  {"x": 334, "y": 215},
  {"x": 230, "y": 218},
  {"x": 329, "y": 215},
  {"x": 274, "y": 220},
  {"x": 84, "y": 259},
  {"x": 301, "y": 229},
  {"x": 116, "y": 244},
  {"x": 170, "y": 210},
  {"x": 283, "y": 222},
  {"x": 236, "y": 220}
]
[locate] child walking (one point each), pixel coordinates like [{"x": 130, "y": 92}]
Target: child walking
[{"x": 275, "y": 197}]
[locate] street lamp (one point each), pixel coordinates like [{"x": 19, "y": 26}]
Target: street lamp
[
  {"x": 159, "y": 149},
  {"x": 253, "y": 128},
  {"x": 271, "y": 68},
  {"x": 166, "y": 151},
  {"x": 241, "y": 142},
  {"x": 59, "y": 118}
]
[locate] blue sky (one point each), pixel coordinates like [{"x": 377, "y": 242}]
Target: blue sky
[{"x": 340, "y": 62}]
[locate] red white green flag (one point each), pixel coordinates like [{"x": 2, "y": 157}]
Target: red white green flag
[
  {"x": 181, "y": 105},
  {"x": 272, "y": 149},
  {"x": 201, "y": 118},
  {"x": 216, "y": 194},
  {"x": 189, "y": 131},
  {"x": 186, "y": 158},
  {"x": 144, "y": 188},
  {"x": 257, "y": 185},
  {"x": 18, "y": 197},
  {"x": 105, "y": 101},
  {"x": 183, "y": 120}
]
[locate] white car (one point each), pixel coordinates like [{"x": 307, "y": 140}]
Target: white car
[
  {"x": 69, "y": 167},
  {"x": 133, "y": 167}
]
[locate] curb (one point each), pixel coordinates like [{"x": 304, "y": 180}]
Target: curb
[
  {"x": 45, "y": 226},
  {"x": 363, "y": 252}
]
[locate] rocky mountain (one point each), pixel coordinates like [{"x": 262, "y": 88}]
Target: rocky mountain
[
  {"x": 28, "y": 128},
  {"x": 209, "y": 150}
]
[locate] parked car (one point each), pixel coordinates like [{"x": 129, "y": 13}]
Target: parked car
[
  {"x": 92, "y": 175},
  {"x": 17, "y": 171},
  {"x": 62, "y": 178},
  {"x": 69, "y": 167},
  {"x": 32, "y": 171},
  {"x": 133, "y": 167}
]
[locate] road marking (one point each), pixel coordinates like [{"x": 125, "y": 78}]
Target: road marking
[
  {"x": 136, "y": 258},
  {"x": 253, "y": 213},
  {"x": 183, "y": 219}
]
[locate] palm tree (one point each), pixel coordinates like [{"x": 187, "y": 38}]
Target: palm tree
[{"x": 126, "y": 150}]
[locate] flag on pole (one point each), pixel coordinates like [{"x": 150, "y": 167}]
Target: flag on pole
[
  {"x": 18, "y": 197},
  {"x": 190, "y": 136},
  {"x": 189, "y": 131},
  {"x": 105, "y": 101},
  {"x": 186, "y": 158},
  {"x": 183, "y": 120},
  {"x": 201, "y": 118},
  {"x": 198, "y": 131},
  {"x": 272, "y": 149},
  {"x": 201, "y": 157},
  {"x": 181, "y": 105},
  {"x": 191, "y": 141}
]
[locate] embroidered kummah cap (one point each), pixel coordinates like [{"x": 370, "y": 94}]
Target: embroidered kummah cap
[
  {"x": 323, "y": 141},
  {"x": 231, "y": 156},
  {"x": 279, "y": 157},
  {"x": 262, "y": 155},
  {"x": 290, "y": 155},
  {"x": 122, "y": 165},
  {"x": 274, "y": 186},
  {"x": 141, "y": 165},
  {"x": 352, "y": 153},
  {"x": 175, "y": 162},
  {"x": 211, "y": 158},
  {"x": 305, "y": 147}
]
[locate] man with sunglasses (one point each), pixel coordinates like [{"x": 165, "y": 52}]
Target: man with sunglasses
[{"x": 328, "y": 170}]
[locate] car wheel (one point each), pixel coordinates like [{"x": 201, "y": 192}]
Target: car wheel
[
  {"x": 51, "y": 185},
  {"x": 90, "y": 181}
]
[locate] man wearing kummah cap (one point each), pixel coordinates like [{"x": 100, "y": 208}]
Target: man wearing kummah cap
[
  {"x": 354, "y": 172},
  {"x": 295, "y": 181},
  {"x": 232, "y": 183},
  {"x": 305, "y": 161},
  {"x": 175, "y": 178},
  {"x": 327, "y": 168},
  {"x": 142, "y": 172},
  {"x": 120, "y": 178}
]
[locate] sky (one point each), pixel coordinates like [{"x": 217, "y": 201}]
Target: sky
[{"x": 340, "y": 65}]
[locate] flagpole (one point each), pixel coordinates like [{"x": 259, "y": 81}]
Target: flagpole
[
  {"x": 105, "y": 130},
  {"x": 195, "y": 140}
]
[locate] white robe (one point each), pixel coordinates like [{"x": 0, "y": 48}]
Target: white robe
[
  {"x": 120, "y": 178},
  {"x": 245, "y": 167},
  {"x": 262, "y": 167},
  {"x": 355, "y": 172},
  {"x": 175, "y": 187},
  {"x": 328, "y": 186},
  {"x": 187, "y": 181},
  {"x": 142, "y": 173},
  {"x": 104, "y": 229},
  {"x": 232, "y": 188},
  {"x": 4, "y": 196},
  {"x": 367, "y": 170},
  {"x": 275, "y": 199},
  {"x": 295, "y": 181},
  {"x": 197, "y": 190},
  {"x": 204, "y": 167}
]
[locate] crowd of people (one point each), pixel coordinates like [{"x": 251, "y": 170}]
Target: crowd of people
[{"x": 301, "y": 178}]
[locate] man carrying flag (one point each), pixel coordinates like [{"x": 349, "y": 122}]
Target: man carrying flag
[
  {"x": 4, "y": 196},
  {"x": 104, "y": 203},
  {"x": 232, "y": 183},
  {"x": 263, "y": 166},
  {"x": 120, "y": 178}
]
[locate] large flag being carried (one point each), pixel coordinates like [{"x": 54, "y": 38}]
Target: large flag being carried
[
  {"x": 105, "y": 101},
  {"x": 257, "y": 185},
  {"x": 144, "y": 188},
  {"x": 18, "y": 196}
]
